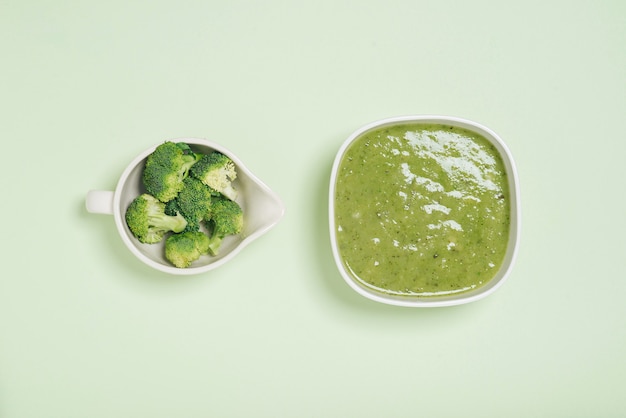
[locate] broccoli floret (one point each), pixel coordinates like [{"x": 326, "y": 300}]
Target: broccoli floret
[
  {"x": 166, "y": 168},
  {"x": 194, "y": 200},
  {"x": 172, "y": 208},
  {"x": 184, "y": 248},
  {"x": 148, "y": 222},
  {"x": 217, "y": 171},
  {"x": 226, "y": 219},
  {"x": 193, "y": 203}
]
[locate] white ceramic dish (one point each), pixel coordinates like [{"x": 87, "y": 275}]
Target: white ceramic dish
[
  {"x": 262, "y": 209},
  {"x": 515, "y": 219}
]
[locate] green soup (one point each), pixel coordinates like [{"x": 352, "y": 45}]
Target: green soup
[{"x": 422, "y": 209}]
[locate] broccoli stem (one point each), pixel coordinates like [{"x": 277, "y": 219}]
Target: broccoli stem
[
  {"x": 168, "y": 223},
  {"x": 215, "y": 242}
]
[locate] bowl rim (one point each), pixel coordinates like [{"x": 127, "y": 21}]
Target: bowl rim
[
  {"x": 120, "y": 222},
  {"x": 515, "y": 223}
]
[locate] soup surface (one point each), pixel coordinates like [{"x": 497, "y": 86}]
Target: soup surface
[{"x": 422, "y": 209}]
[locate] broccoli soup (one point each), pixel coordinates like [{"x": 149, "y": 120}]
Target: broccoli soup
[{"x": 421, "y": 209}]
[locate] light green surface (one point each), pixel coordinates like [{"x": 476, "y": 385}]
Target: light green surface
[{"x": 86, "y": 330}]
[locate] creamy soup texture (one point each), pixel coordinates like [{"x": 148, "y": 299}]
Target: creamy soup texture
[{"x": 422, "y": 209}]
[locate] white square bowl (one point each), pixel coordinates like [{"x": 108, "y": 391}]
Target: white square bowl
[{"x": 514, "y": 227}]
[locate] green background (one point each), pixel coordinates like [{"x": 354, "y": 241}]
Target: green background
[{"x": 86, "y": 330}]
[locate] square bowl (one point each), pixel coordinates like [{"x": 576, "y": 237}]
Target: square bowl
[{"x": 352, "y": 246}]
